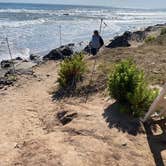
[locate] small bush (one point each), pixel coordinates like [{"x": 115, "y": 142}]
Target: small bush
[
  {"x": 71, "y": 71},
  {"x": 163, "y": 31},
  {"x": 128, "y": 86},
  {"x": 150, "y": 39}
]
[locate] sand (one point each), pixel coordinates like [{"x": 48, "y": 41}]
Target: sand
[{"x": 32, "y": 135}]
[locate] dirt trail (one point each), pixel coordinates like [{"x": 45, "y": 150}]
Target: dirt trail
[
  {"x": 32, "y": 135},
  {"x": 21, "y": 108}
]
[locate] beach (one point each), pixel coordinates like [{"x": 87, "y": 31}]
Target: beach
[
  {"x": 41, "y": 125},
  {"x": 34, "y": 125}
]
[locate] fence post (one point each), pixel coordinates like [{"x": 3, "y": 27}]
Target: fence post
[
  {"x": 60, "y": 35},
  {"x": 10, "y": 53}
]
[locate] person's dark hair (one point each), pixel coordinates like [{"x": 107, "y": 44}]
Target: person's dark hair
[{"x": 96, "y": 32}]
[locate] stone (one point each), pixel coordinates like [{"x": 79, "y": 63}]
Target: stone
[
  {"x": 138, "y": 36},
  {"x": 125, "y": 39},
  {"x": 65, "y": 117},
  {"x": 59, "y": 53},
  {"x": 4, "y": 81},
  {"x": 6, "y": 64},
  {"x": 120, "y": 41},
  {"x": 34, "y": 57},
  {"x": 18, "y": 59}
]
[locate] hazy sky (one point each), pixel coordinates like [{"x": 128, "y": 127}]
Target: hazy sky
[{"x": 117, "y": 3}]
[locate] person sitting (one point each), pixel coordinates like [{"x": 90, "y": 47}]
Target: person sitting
[{"x": 96, "y": 43}]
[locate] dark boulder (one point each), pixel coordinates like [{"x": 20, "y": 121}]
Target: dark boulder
[
  {"x": 6, "y": 64},
  {"x": 18, "y": 59},
  {"x": 66, "y": 51},
  {"x": 160, "y": 25},
  {"x": 35, "y": 58},
  {"x": 127, "y": 35},
  {"x": 59, "y": 53},
  {"x": 138, "y": 36},
  {"x": 121, "y": 41},
  {"x": 125, "y": 39},
  {"x": 4, "y": 81},
  {"x": 150, "y": 29},
  {"x": 65, "y": 117},
  {"x": 87, "y": 49},
  {"x": 71, "y": 45}
]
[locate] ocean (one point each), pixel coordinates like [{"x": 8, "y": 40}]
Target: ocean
[{"x": 36, "y": 28}]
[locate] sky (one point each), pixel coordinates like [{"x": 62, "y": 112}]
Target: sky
[{"x": 114, "y": 3}]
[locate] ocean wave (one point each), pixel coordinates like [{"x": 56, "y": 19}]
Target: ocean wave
[
  {"x": 23, "y": 11},
  {"x": 15, "y": 24},
  {"x": 70, "y": 11},
  {"x": 84, "y": 13}
]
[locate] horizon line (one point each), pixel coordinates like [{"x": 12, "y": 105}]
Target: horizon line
[{"x": 37, "y": 3}]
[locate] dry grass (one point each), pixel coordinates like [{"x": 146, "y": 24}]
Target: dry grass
[{"x": 151, "y": 58}]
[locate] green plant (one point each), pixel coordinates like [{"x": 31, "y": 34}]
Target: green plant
[
  {"x": 71, "y": 71},
  {"x": 128, "y": 86},
  {"x": 163, "y": 31},
  {"x": 150, "y": 39}
]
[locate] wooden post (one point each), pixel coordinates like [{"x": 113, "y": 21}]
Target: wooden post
[
  {"x": 101, "y": 24},
  {"x": 60, "y": 35},
  {"x": 10, "y": 53}
]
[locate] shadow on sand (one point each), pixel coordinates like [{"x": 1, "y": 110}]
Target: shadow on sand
[
  {"x": 81, "y": 92},
  {"x": 133, "y": 126},
  {"x": 121, "y": 121},
  {"x": 157, "y": 143}
]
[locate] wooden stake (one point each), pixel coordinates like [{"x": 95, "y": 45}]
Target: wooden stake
[
  {"x": 10, "y": 53},
  {"x": 101, "y": 24},
  {"x": 60, "y": 35}
]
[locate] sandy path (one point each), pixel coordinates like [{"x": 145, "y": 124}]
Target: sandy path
[
  {"x": 31, "y": 135},
  {"x": 21, "y": 109}
]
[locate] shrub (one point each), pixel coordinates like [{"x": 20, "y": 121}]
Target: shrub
[
  {"x": 71, "y": 71},
  {"x": 163, "y": 31},
  {"x": 128, "y": 86},
  {"x": 150, "y": 39}
]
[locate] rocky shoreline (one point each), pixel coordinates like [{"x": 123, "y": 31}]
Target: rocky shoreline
[{"x": 22, "y": 66}]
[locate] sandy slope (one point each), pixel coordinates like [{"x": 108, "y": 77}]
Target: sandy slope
[{"x": 31, "y": 134}]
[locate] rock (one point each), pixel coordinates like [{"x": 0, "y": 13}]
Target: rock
[
  {"x": 87, "y": 49},
  {"x": 160, "y": 25},
  {"x": 125, "y": 39},
  {"x": 120, "y": 41},
  {"x": 53, "y": 55},
  {"x": 65, "y": 117},
  {"x": 59, "y": 53},
  {"x": 4, "y": 81},
  {"x": 66, "y": 51},
  {"x": 66, "y": 14},
  {"x": 6, "y": 64},
  {"x": 125, "y": 144},
  {"x": 34, "y": 57},
  {"x": 19, "y": 59},
  {"x": 138, "y": 36},
  {"x": 150, "y": 28},
  {"x": 127, "y": 35},
  {"x": 9, "y": 72},
  {"x": 71, "y": 45}
]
